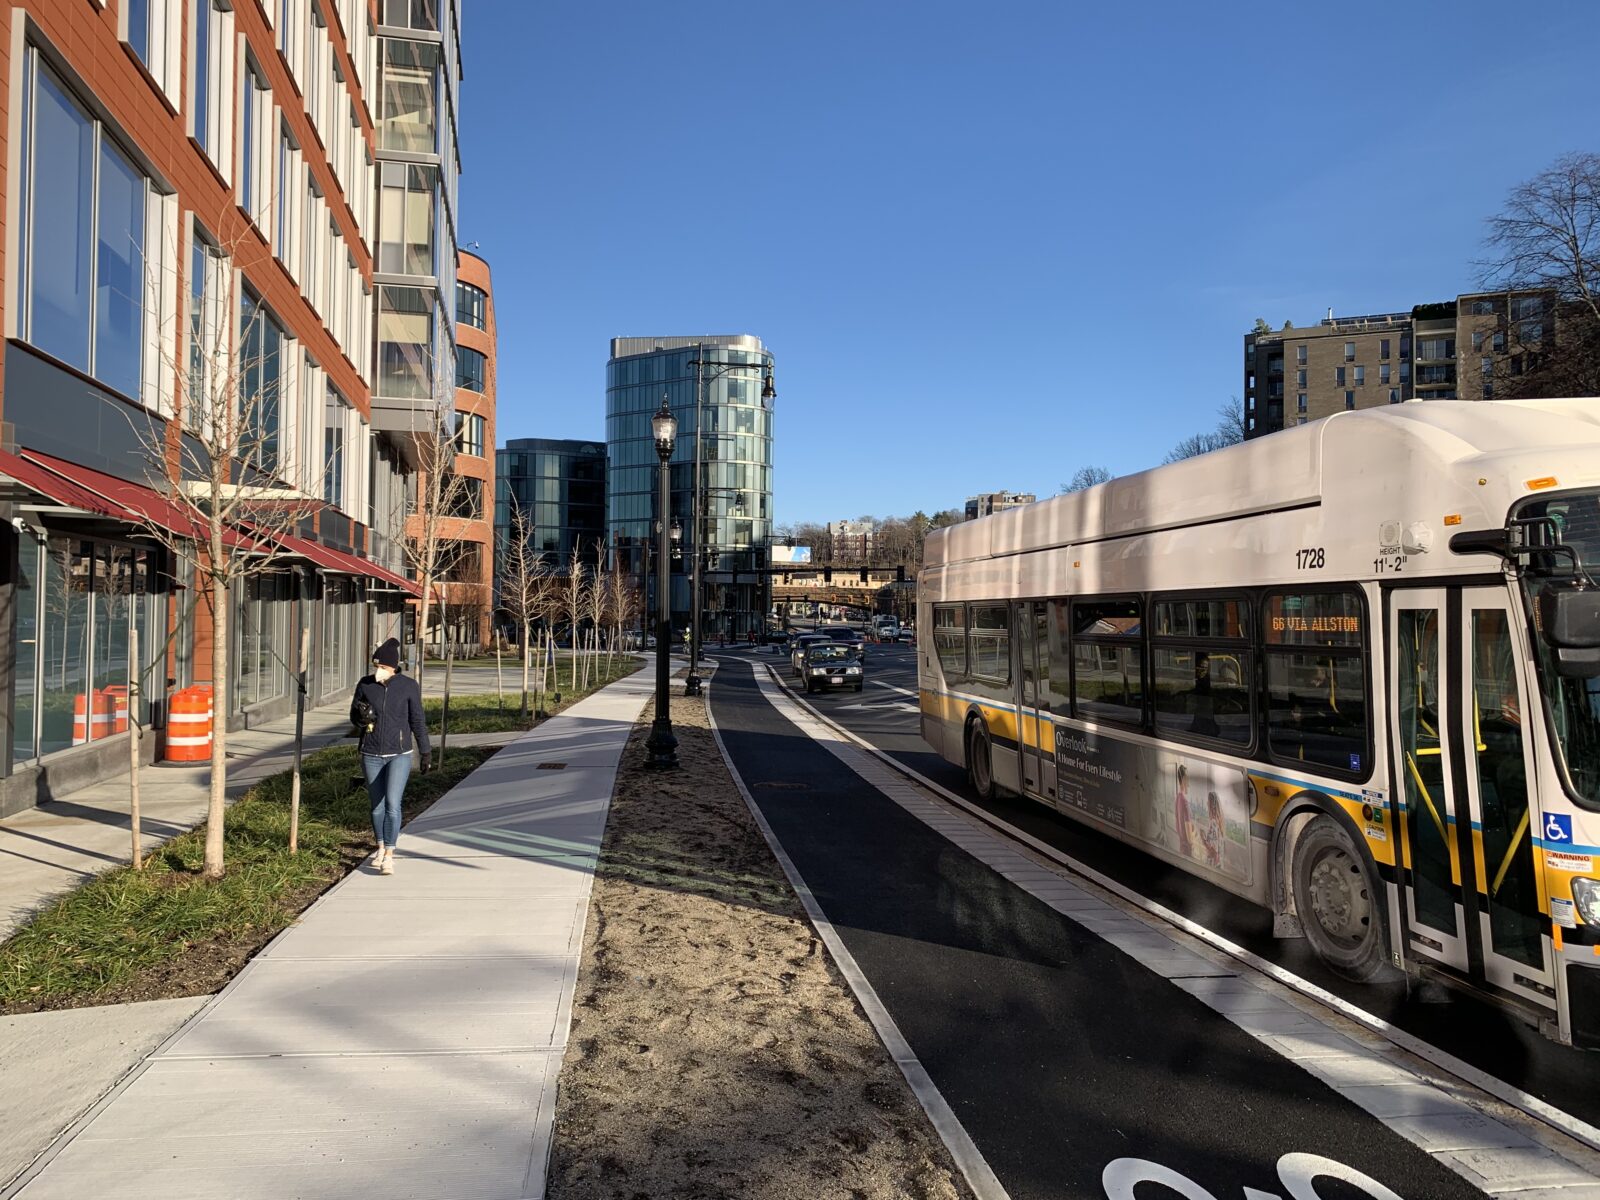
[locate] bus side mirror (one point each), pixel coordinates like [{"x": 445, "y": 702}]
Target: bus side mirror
[{"x": 1570, "y": 620}]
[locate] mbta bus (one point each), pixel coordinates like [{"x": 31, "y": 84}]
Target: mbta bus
[{"x": 1350, "y": 672}]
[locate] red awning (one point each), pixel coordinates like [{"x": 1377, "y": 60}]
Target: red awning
[
  {"x": 62, "y": 490},
  {"x": 409, "y": 586},
  {"x": 81, "y": 487},
  {"x": 75, "y": 486}
]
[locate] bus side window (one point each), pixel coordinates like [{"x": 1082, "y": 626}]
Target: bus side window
[
  {"x": 1315, "y": 644},
  {"x": 950, "y": 640}
]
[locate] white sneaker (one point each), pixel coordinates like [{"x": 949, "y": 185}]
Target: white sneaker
[
  {"x": 377, "y": 858},
  {"x": 386, "y": 867}
]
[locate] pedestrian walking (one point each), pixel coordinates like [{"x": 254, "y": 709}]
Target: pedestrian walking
[{"x": 387, "y": 711}]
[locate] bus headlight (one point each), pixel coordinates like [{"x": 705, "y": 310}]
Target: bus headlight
[{"x": 1586, "y": 894}]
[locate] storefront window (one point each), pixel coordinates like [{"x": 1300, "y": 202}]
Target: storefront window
[
  {"x": 65, "y": 719},
  {"x": 113, "y": 602},
  {"x": 24, "y": 707}
]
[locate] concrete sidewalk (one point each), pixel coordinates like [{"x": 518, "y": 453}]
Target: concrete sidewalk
[
  {"x": 61, "y": 844},
  {"x": 54, "y": 848},
  {"x": 403, "y": 1038}
]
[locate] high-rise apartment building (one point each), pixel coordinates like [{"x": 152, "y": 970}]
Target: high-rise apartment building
[
  {"x": 735, "y": 446},
  {"x": 195, "y": 202},
  {"x": 993, "y": 502},
  {"x": 560, "y": 487},
  {"x": 1469, "y": 348},
  {"x": 851, "y": 541}
]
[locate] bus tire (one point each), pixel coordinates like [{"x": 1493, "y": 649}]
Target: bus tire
[
  {"x": 980, "y": 761},
  {"x": 1340, "y": 908}
]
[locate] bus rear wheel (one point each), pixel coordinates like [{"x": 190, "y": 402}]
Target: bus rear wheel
[
  {"x": 980, "y": 762},
  {"x": 1336, "y": 900}
]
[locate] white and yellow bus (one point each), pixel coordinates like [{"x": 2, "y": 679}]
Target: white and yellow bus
[{"x": 1350, "y": 671}]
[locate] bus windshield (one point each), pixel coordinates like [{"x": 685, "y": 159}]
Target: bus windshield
[{"x": 1574, "y": 703}]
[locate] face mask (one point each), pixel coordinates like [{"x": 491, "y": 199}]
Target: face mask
[{"x": 383, "y": 674}]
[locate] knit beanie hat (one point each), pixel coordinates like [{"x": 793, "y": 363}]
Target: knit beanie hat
[{"x": 388, "y": 654}]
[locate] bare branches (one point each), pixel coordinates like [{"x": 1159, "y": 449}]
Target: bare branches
[
  {"x": 1548, "y": 234},
  {"x": 1085, "y": 477}
]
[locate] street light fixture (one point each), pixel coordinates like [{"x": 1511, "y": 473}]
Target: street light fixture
[
  {"x": 691, "y": 684},
  {"x": 662, "y": 745}
]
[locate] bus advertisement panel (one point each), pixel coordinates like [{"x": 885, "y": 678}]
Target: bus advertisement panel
[{"x": 1192, "y": 807}]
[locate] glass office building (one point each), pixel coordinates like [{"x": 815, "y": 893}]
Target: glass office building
[
  {"x": 735, "y": 441},
  {"x": 561, "y": 486}
]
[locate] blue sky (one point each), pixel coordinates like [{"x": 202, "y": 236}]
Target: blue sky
[{"x": 987, "y": 243}]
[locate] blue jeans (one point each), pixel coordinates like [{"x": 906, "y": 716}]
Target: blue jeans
[{"x": 386, "y": 785}]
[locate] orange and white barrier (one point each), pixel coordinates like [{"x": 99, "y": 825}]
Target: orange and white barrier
[
  {"x": 189, "y": 717},
  {"x": 92, "y": 716}
]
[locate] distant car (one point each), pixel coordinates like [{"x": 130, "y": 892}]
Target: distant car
[
  {"x": 906, "y": 634},
  {"x": 798, "y": 648},
  {"x": 843, "y": 633},
  {"x": 831, "y": 664}
]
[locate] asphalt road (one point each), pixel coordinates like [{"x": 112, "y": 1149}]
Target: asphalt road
[
  {"x": 1456, "y": 1022},
  {"x": 1058, "y": 1052}
]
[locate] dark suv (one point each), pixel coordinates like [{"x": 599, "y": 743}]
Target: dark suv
[{"x": 831, "y": 664}]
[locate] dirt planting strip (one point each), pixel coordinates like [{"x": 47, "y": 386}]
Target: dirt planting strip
[{"x": 715, "y": 1049}]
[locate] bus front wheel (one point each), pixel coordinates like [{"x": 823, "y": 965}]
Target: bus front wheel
[
  {"x": 980, "y": 763},
  {"x": 1336, "y": 900}
]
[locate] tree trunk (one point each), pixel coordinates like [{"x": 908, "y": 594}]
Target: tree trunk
[
  {"x": 444, "y": 703},
  {"x": 527, "y": 663},
  {"x": 299, "y": 740},
  {"x": 424, "y": 604},
  {"x": 499, "y": 678},
  {"x": 133, "y": 747},
  {"x": 217, "y": 802}
]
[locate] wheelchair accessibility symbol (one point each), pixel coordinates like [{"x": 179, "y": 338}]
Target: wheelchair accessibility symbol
[{"x": 1558, "y": 829}]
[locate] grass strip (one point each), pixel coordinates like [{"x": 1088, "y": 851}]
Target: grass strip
[
  {"x": 481, "y": 713},
  {"x": 167, "y": 931}
]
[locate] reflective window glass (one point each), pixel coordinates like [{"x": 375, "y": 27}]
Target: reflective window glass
[
  {"x": 989, "y": 639},
  {"x": 1203, "y": 693}
]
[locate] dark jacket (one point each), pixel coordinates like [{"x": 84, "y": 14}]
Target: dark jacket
[{"x": 398, "y": 705}]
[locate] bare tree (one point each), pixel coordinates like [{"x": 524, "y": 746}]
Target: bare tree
[
  {"x": 1085, "y": 477},
  {"x": 1547, "y": 239},
  {"x": 573, "y": 593},
  {"x": 445, "y": 502},
  {"x": 1228, "y": 431},
  {"x": 221, "y": 468},
  {"x": 523, "y": 579},
  {"x": 597, "y": 599}
]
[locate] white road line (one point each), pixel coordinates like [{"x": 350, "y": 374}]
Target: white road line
[
  {"x": 893, "y": 688},
  {"x": 1269, "y": 1032},
  {"x": 969, "y": 1159}
]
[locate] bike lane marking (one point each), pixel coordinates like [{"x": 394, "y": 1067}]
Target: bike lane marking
[{"x": 1433, "y": 1113}]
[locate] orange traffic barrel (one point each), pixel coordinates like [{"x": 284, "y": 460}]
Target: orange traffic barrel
[
  {"x": 189, "y": 726},
  {"x": 92, "y": 716},
  {"x": 119, "y": 712}
]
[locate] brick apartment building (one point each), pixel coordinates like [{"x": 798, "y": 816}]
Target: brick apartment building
[
  {"x": 1472, "y": 347},
  {"x": 993, "y": 502},
  {"x": 191, "y": 187},
  {"x": 467, "y": 589}
]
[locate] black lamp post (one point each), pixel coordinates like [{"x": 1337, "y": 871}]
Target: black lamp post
[{"x": 662, "y": 746}]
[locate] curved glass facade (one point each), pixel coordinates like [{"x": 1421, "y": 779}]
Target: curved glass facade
[{"x": 736, "y": 468}]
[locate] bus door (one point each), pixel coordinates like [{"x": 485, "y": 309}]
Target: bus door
[
  {"x": 1424, "y": 768},
  {"x": 1035, "y": 736},
  {"x": 1505, "y": 821},
  {"x": 1471, "y": 882}
]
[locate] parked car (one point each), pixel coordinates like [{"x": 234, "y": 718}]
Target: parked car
[
  {"x": 831, "y": 664},
  {"x": 798, "y": 649}
]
